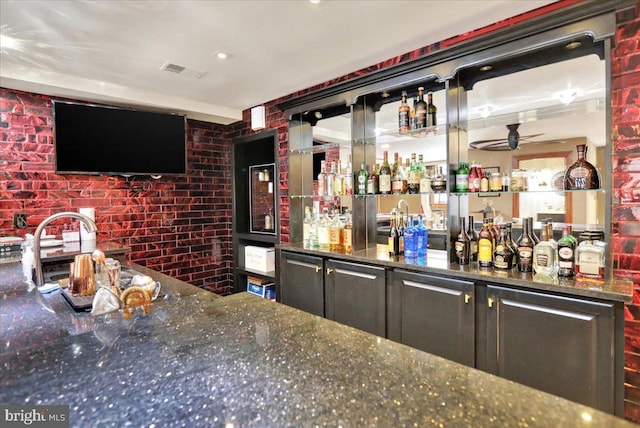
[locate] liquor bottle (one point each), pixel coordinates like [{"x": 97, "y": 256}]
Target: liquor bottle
[
  {"x": 322, "y": 179},
  {"x": 335, "y": 232},
  {"x": 462, "y": 178},
  {"x": 566, "y": 254},
  {"x": 268, "y": 220},
  {"x": 413, "y": 177},
  {"x": 314, "y": 243},
  {"x": 423, "y": 237},
  {"x": 525, "y": 249},
  {"x": 544, "y": 253},
  {"x": 306, "y": 228},
  {"x": 431, "y": 110},
  {"x": 590, "y": 258},
  {"x": 397, "y": 177},
  {"x": 348, "y": 177},
  {"x": 363, "y": 176},
  {"x": 392, "y": 240},
  {"x": 347, "y": 234},
  {"x": 421, "y": 110},
  {"x": 410, "y": 240},
  {"x": 485, "y": 245},
  {"x": 412, "y": 115},
  {"x": 324, "y": 227},
  {"x": 473, "y": 241},
  {"x": 502, "y": 255},
  {"x": 401, "y": 228},
  {"x": 474, "y": 178},
  {"x": 403, "y": 115},
  {"x": 338, "y": 181},
  {"x": 331, "y": 177},
  {"x": 493, "y": 231},
  {"x": 463, "y": 244},
  {"x": 532, "y": 233},
  {"x": 372, "y": 181},
  {"x": 512, "y": 245},
  {"x": 405, "y": 175},
  {"x": 384, "y": 177},
  {"x": 439, "y": 181},
  {"x": 425, "y": 181},
  {"x": 581, "y": 174}
]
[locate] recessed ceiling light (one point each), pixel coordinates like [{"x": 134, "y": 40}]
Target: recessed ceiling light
[
  {"x": 486, "y": 68},
  {"x": 314, "y": 1},
  {"x": 573, "y": 45},
  {"x": 222, "y": 55}
]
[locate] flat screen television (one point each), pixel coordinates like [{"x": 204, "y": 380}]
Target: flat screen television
[{"x": 91, "y": 139}]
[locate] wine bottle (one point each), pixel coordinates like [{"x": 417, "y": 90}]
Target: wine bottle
[
  {"x": 581, "y": 174},
  {"x": 372, "y": 181},
  {"x": 463, "y": 244},
  {"x": 403, "y": 114},
  {"x": 421, "y": 110},
  {"x": 384, "y": 178},
  {"x": 392, "y": 240}
]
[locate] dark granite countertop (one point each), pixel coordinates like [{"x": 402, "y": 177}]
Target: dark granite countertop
[
  {"x": 197, "y": 360},
  {"x": 436, "y": 262}
]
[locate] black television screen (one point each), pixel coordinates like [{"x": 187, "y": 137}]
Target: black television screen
[{"x": 91, "y": 139}]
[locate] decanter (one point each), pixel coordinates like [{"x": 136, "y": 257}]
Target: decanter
[{"x": 582, "y": 174}]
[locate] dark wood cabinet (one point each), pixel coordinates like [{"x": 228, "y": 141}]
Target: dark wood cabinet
[
  {"x": 557, "y": 344},
  {"x": 302, "y": 282},
  {"x": 433, "y": 313},
  {"x": 355, "y": 295}
]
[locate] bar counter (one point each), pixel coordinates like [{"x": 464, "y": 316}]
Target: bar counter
[{"x": 200, "y": 360}]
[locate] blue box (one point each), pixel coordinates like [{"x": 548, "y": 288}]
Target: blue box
[{"x": 268, "y": 291}]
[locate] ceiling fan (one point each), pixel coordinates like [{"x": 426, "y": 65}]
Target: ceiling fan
[{"x": 501, "y": 144}]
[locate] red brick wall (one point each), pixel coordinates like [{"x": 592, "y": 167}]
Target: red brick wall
[
  {"x": 625, "y": 242},
  {"x": 180, "y": 226}
]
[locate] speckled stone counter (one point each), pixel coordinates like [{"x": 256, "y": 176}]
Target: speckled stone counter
[
  {"x": 436, "y": 262},
  {"x": 243, "y": 361}
]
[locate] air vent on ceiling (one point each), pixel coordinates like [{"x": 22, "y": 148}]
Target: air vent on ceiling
[{"x": 183, "y": 71}]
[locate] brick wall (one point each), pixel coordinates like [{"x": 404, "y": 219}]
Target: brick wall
[
  {"x": 625, "y": 242},
  {"x": 180, "y": 226}
]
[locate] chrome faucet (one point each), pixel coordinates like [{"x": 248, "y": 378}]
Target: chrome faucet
[
  {"x": 406, "y": 205},
  {"x": 89, "y": 223}
]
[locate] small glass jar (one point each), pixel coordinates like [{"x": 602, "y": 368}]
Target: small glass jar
[
  {"x": 495, "y": 182},
  {"x": 518, "y": 180}
]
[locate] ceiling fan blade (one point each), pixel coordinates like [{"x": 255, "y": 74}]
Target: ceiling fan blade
[
  {"x": 487, "y": 144},
  {"x": 526, "y": 137}
]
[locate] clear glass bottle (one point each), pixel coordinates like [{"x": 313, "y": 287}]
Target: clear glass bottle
[
  {"x": 384, "y": 178},
  {"x": 338, "y": 181},
  {"x": 439, "y": 181},
  {"x": 306, "y": 228},
  {"x": 268, "y": 220},
  {"x": 322, "y": 179},
  {"x": 463, "y": 245},
  {"x": 398, "y": 180},
  {"x": 314, "y": 242},
  {"x": 363, "y": 177},
  {"x": 348, "y": 177},
  {"x": 581, "y": 174},
  {"x": 474, "y": 178},
  {"x": 331, "y": 177},
  {"x": 425, "y": 181},
  {"x": 590, "y": 258},
  {"x": 544, "y": 253},
  {"x": 324, "y": 226},
  {"x": 566, "y": 254},
  {"x": 403, "y": 114}
]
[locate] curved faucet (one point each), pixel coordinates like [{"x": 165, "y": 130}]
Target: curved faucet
[
  {"x": 89, "y": 223},
  {"x": 406, "y": 205}
]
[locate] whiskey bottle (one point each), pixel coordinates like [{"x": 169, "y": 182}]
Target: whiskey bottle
[
  {"x": 421, "y": 110},
  {"x": 463, "y": 244},
  {"x": 485, "y": 246},
  {"x": 372, "y": 181},
  {"x": 544, "y": 253},
  {"x": 403, "y": 115},
  {"x": 581, "y": 174},
  {"x": 384, "y": 178},
  {"x": 335, "y": 232},
  {"x": 502, "y": 255},
  {"x": 413, "y": 176},
  {"x": 590, "y": 258},
  {"x": 473, "y": 241},
  {"x": 431, "y": 110},
  {"x": 566, "y": 254},
  {"x": 363, "y": 177},
  {"x": 525, "y": 249},
  {"x": 393, "y": 243}
]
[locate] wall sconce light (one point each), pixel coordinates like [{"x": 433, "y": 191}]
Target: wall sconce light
[{"x": 258, "y": 120}]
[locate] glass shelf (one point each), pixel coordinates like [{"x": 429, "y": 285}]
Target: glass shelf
[
  {"x": 489, "y": 194},
  {"x": 404, "y": 195}
]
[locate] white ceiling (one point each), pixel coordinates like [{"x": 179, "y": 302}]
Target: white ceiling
[{"x": 112, "y": 51}]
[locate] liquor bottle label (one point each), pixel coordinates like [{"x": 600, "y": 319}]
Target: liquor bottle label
[
  {"x": 348, "y": 238},
  {"x": 542, "y": 260},
  {"x": 500, "y": 262},
  {"x": 485, "y": 253},
  {"x": 589, "y": 263},
  {"x": 565, "y": 253},
  {"x": 525, "y": 253},
  {"x": 384, "y": 182},
  {"x": 391, "y": 245}
]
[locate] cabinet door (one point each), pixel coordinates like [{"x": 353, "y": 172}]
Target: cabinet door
[
  {"x": 355, "y": 295},
  {"x": 434, "y": 314},
  {"x": 302, "y": 282},
  {"x": 560, "y": 345}
]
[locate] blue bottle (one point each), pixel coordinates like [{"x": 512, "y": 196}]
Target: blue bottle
[
  {"x": 423, "y": 237},
  {"x": 410, "y": 240}
]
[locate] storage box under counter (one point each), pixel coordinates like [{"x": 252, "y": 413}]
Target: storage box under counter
[{"x": 259, "y": 259}]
